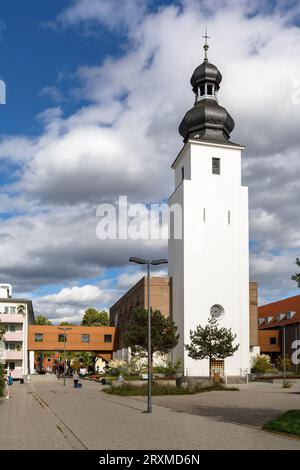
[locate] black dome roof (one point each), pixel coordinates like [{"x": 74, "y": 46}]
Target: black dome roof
[
  {"x": 207, "y": 120},
  {"x": 206, "y": 72}
]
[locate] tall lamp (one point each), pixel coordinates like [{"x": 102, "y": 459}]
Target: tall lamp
[{"x": 148, "y": 262}]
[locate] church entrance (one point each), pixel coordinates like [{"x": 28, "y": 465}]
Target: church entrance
[{"x": 217, "y": 367}]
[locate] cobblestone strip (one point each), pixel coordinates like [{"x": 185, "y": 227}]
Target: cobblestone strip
[{"x": 67, "y": 433}]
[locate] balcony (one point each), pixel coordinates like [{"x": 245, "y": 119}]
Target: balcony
[
  {"x": 13, "y": 336},
  {"x": 17, "y": 373},
  {"x": 12, "y": 355},
  {"x": 11, "y": 318}
]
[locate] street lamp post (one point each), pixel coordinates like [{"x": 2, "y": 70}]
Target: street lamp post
[
  {"x": 284, "y": 360},
  {"x": 148, "y": 262},
  {"x": 64, "y": 330}
]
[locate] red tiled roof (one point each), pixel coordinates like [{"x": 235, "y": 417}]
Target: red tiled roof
[{"x": 292, "y": 304}]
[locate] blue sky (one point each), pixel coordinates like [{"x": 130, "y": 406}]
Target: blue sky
[
  {"x": 34, "y": 56},
  {"x": 97, "y": 87}
]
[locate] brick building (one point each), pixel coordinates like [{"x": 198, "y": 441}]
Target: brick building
[
  {"x": 276, "y": 320},
  {"x": 101, "y": 340},
  {"x": 137, "y": 296},
  {"x": 161, "y": 299}
]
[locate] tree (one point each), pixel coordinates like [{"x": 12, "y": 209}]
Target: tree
[
  {"x": 211, "y": 342},
  {"x": 41, "y": 320},
  {"x": 93, "y": 317},
  {"x": 21, "y": 309},
  {"x": 2, "y": 332},
  {"x": 164, "y": 336},
  {"x": 296, "y": 276},
  {"x": 66, "y": 323}
]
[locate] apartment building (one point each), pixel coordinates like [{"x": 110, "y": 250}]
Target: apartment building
[{"x": 15, "y": 316}]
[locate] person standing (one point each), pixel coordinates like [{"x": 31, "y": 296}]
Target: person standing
[
  {"x": 75, "y": 378},
  {"x": 8, "y": 383}
]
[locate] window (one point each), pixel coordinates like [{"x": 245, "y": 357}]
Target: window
[
  {"x": 229, "y": 217},
  {"x": 11, "y": 365},
  {"x": 11, "y": 310},
  {"x": 204, "y": 215},
  {"x": 12, "y": 328},
  {"x": 62, "y": 338},
  {"x": 209, "y": 89},
  {"x": 182, "y": 173},
  {"x": 38, "y": 337},
  {"x": 216, "y": 166},
  {"x": 85, "y": 338},
  {"x": 217, "y": 311},
  {"x": 107, "y": 338},
  {"x": 272, "y": 340},
  {"x": 202, "y": 90}
]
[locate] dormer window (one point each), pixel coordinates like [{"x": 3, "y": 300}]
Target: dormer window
[
  {"x": 290, "y": 315},
  {"x": 281, "y": 316}
]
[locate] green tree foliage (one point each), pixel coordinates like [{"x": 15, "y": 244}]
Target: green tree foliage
[
  {"x": 1, "y": 379},
  {"x": 66, "y": 323},
  {"x": 211, "y": 342},
  {"x": 41, "y": 320},
  {"x": 296, "y": 276},
  {"x": 2, "y": 333},
  {"x": 164, "y": 336},
  {"x": 93, "y": 317},
  {"x": 262, "y": 364}
]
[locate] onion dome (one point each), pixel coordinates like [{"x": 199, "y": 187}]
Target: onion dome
[{"x": 207, "y": 120}]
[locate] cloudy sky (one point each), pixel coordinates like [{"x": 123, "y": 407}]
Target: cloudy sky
[{"x": 95, "y": 92}]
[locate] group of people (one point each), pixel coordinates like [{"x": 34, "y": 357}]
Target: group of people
[{"x": 8, "y": 381}]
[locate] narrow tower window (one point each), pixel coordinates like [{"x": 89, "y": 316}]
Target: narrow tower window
[
  {"x": 229, "y": 217},
  {"x": 204, "y": 215},
  {"x": 209, "y": 89},
  {"x": 216, "y": 166},
  {"x": 182, "y": 173}
]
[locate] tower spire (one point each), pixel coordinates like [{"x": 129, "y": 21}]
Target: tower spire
[{"x": 206, "y": 46}]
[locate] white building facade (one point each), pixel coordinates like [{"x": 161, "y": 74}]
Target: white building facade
[
  {"x": 15, "y": 316},
  {"x": 209, "y": 265}
]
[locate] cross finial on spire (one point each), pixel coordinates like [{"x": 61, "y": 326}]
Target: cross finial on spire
[{"x": 206, "y": 46}]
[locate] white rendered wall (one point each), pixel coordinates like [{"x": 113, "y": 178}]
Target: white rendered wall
[{"x": 210, "y": 265}]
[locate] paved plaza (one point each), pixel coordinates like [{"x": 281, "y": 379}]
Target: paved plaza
[{"x": 43, "y": 414}]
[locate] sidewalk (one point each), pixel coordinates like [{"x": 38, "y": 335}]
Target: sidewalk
[{"x": 58, "y": 417}]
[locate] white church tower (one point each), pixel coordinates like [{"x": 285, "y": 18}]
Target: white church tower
[{"x": 209, "y": 265}]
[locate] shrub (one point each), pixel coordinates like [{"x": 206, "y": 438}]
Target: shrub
[
  {"x": 142, "y": 390},
  {"x": 262, "y": 364},
  {"x": 281, "y": 361},
  {"x": 169, "y": 369},
  {"x": 116, "y": 368},
  {"x": 1, "y": 380}
]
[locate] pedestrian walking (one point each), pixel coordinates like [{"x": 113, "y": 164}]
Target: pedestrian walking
[{"x": 75, "y": 378}]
